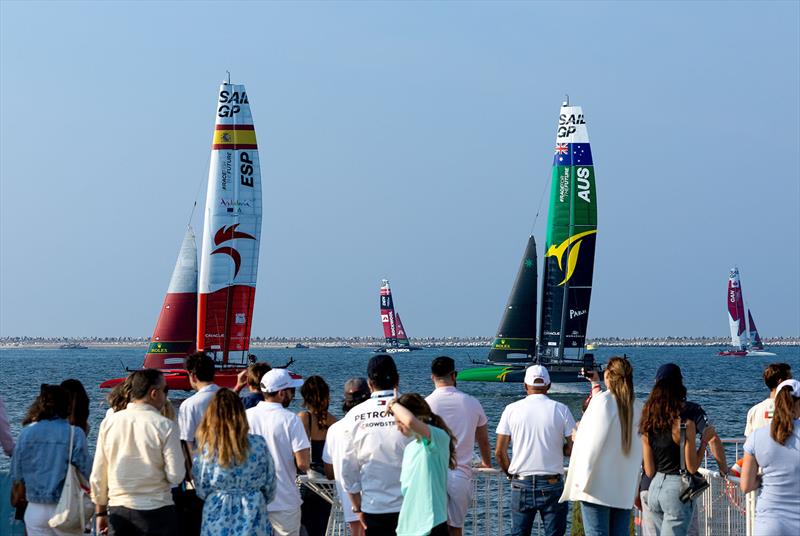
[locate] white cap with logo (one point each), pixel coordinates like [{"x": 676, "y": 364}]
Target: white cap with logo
[
  {"x": 537, "y": 376},
  {"x": 277, "y": 379}
]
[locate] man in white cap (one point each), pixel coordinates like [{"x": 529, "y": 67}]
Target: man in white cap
[
  {"x": 540, "y": 430},
  {"x": 288, "y": 444}
]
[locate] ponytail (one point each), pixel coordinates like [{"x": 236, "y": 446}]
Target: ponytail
[
  {"x": 783, "y": 418},
  {"x": 438, "y": 422},
  {"x": 620, "y": 383}
]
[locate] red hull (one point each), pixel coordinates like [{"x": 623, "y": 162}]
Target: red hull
[
  {"x": 178, "y": 380},
  {"x": 733, "y": 353}
]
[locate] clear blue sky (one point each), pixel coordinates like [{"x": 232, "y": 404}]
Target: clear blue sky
[{"x": 404, "y": 140}]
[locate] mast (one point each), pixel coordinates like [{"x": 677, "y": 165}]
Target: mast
[
  {"x": 231, "y": 231},
  {"x": 174, "y": 335},
  {"x": 516, "y": 334},
  {"x": 571, "y": 235}
]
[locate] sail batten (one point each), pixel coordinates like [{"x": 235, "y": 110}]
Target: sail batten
[{"x": 232, "y": 230}]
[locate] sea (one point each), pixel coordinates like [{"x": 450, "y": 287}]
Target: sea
[{"x": 725, "y": 386}]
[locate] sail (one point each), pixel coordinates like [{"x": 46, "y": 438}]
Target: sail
[
  {"x": 231, "y": 232},
  {"x": 402, "y": 338},
  {"x": 387, "y": 314},
  {"x": 516, "y": 335},
  {"x": 174, "y": 336},
  {"x": 736, "y": 310},
  {"x": 570, "y": 241},
  {"x": 755, "y": 339}
]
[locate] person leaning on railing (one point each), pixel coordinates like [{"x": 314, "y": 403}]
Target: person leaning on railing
[{"x": 776, "y": 451}]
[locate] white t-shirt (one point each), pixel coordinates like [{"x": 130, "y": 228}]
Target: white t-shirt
[
  {"x": 463, "y": 414},
  {"x": 192, "y": 410},
  {"x": 759, "y": 416},
  {"x": 285, "y": 435},
  {"x": 537, "y": 426},
  {"x": 373, "y": 455},
  {"x": 333, "y": 453}
]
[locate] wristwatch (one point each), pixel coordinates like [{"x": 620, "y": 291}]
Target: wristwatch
[{"x": 355, "y": 510}]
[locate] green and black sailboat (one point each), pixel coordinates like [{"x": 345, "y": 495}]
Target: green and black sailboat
[{"x": 567, "y": 278}]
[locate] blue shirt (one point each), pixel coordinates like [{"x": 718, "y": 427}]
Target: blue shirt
[
  {"x": 251, "y": 400},
  {"x": 40, "y": 458}
]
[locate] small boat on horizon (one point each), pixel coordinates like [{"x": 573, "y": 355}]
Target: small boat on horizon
[
  {"x": 393, "y": 331},
  {"x": 745, "y": 340},
  {"x": 73, "y": 346}
]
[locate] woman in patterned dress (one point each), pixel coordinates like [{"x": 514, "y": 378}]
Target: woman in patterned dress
[{"x": 232, "y": 471}]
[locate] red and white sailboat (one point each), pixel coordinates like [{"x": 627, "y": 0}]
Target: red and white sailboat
[
  {"x": 393, "y": 330},
  {"x": 744, "y": 335},
  {"x": 214, "y": 313}
]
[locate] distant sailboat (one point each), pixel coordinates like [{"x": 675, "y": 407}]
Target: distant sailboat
[
  {"x": 745, "y": 339},
  {"x": 214, "y": 313},
  {"x": 567, "y": 277},
  {"x": 393, "y": 331}
]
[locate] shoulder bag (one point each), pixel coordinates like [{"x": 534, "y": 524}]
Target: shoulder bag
[
  {"x": 74, "y": 509},
  {"x": 692, "y": 484}
]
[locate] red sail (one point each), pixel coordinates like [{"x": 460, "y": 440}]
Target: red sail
[{"x": 174, "y": 336}]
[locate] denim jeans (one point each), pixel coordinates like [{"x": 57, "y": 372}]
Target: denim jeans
[
  {"x": 599, "y": 520},
  {"x": 541, "y": 495},
  {"x": 670, "y": 515}
]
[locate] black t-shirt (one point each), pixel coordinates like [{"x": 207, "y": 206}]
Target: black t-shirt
[{"x": 693, "y": 412}]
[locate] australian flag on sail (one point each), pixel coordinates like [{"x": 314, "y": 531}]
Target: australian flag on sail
[{"x": 573, "y": 154}]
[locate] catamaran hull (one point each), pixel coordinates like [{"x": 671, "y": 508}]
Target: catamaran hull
[
  {"x": 745, "y": 353},
  {"x": 396, "y": 350},
  {"x": 516, "y": 374}
]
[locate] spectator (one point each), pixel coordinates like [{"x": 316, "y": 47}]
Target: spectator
[
  {"x": 706, "y": 433},
  {"x": 200, "y": 367},
  {"x": 6, "y": 439},
  {"x": 316, "y": 420},
  {"x": 466, "y": 419},
  {"x": 374, "y": 452},
  {"x": 660, "y": 430},
  {"x": 41, "y": 456},
  {"x": 288, "y": 444},
  {"x": 356, "y": 391},
  {"x": 251, "y": 378},
  {"x": 78, "y": 404},
  {"x": 606, "y": 458},
  {"x": 137, "y": 460},
  {"x": 776, "y": 451},
  {"x": 760, "y": 415},
  {"x": 119, "y": 397},
  {"x": 233, "y": 471},
  {"x": 425, "y": 463},
  {"x": 540, "y": 429}
]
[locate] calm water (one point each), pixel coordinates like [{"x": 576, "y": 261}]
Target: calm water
[{"x": 725, "y": 387}]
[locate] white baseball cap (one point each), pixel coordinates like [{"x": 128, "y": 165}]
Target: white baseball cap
[
  {"x": 537, "y": 376},
  {"x": 278, "y": 379},
  {"x": 793, "y": 386}
]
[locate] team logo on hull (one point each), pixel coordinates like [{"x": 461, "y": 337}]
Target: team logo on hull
[
  {"x": 225, "y": 234},
  {"x": 560, "y": 250}
]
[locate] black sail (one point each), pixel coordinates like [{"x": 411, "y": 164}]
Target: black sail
[{"x": 516, "y": 335}]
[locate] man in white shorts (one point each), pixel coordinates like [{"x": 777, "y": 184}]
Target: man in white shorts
[{"x": 465, "y": 417}]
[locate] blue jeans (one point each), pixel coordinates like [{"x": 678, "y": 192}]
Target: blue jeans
[
  {"x": 541, "y": 495},
  {"x": 599, "y": 520},
  {"x": 670, "y": 515}
]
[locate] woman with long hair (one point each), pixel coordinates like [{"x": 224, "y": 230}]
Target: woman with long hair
[
  {"x": 41, "y": 456},
  {"x": 232, "y": 471},
  {"x": 606, "y": 457},
  {"x": 660, "y": 429},
  {"x": 423, "y": 478},
  {"x": 316, "y": 420},
  {"x": 78, "y": 404},
  {"x": 776, "y": 451}
]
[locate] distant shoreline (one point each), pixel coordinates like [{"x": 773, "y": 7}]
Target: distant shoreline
[{"x": 373, "y": 342}]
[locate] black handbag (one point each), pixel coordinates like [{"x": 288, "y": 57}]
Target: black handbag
[{"x": 692, "y": 484}]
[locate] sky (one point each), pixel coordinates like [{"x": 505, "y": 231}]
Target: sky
[{"x": 411, "y": 141}]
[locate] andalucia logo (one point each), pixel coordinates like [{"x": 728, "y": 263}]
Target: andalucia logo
[{"x": 572, "y": 259}]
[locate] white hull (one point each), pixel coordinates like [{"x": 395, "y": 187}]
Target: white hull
[
  {"x": 757, "y": 353},
  {"x": 396, "y": 350}
]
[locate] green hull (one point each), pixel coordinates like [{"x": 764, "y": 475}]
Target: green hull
[{"x": 490, "y": 374}]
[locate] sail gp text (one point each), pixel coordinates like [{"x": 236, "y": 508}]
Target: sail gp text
[{"x": 229, "y": 103}]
